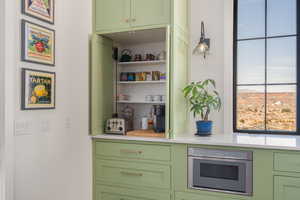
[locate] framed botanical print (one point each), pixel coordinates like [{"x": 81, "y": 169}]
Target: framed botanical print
[
  {"x": 40, "y": 9},
  {"x": 38, "y": 90},
  {"x": 38, "y": 44}
]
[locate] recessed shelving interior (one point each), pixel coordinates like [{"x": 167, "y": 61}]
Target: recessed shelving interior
[
  {"x": 141, "y": 102},
  {"x": 142, "y": 82},
  {"x": 138, "y": 92},
  {"x": 151, "y": 62}
]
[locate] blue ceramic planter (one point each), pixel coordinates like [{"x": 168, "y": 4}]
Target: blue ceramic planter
[{"x": 204, "y": 128}]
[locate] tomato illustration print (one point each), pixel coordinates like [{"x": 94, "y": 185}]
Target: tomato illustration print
[{"x": 39, "y": 46}]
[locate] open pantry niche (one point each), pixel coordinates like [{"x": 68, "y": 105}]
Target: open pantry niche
[{"x": 141, "y": 81}]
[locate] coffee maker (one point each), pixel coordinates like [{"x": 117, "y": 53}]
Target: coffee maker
[{"x": 159, "y": 113}]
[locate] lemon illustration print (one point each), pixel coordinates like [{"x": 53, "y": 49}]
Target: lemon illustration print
[{"x": 38, "y": 92}]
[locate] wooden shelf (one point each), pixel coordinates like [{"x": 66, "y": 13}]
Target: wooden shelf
[
  {"x": 141, "y": 102},
  {"x": 142, "y": 82},
  {"x": 153, "y": 62},
  {"x": 145, "y": 133}
]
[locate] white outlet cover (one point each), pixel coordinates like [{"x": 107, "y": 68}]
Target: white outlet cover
[{"x": 23, "y": 127}]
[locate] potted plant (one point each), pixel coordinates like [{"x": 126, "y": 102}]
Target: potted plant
[{"x": 203, "y": 99}]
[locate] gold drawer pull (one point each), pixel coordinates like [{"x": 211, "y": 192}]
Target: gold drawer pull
[
  {"x": 130, "y": 151},
  {"x": 131, "y": 173}
]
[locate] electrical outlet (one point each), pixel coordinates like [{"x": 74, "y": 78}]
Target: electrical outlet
[
  {"x": 44, "y": 126},
  {"x": 23, "y": 127},
  {"x": 67, "y": 123}
]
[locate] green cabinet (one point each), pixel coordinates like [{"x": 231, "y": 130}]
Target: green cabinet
[
  {"x": 114, "y": 15},
  {"x": 133, "y": 151},
  {"x": 286, "y": 188},
  {"x": 192, "y": 196},
  {"x": 154, "y": 12},
  {"x": 101, "y": 83},
  {"x": 133, "y": 173},
  {"x": 287, "y": 162},
  {"x": 103, "y": 192}
]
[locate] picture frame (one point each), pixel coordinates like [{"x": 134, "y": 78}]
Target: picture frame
[
  {"x": 38, "y": 89},
  {"x": 38, "y": 44},
  {"x": 39, "y": 9}
]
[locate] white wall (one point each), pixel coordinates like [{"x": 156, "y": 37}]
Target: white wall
[
  {"x": 217, "y": 16},
  {"x": 52, "y": 156},
  {"x": 211, "y": 13},
  {"x": 2, "y": 166}
]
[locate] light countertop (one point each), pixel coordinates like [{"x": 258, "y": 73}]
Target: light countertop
[{"x": 280, "y": 142}]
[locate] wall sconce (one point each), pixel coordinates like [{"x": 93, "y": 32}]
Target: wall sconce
[{"x": 203, "y": 46}]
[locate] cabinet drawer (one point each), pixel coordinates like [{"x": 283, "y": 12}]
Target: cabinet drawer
[
  {"x": 131, "y": 173},
  {"x": 287, "y": 162},
  {"x": 134, "y": 151},
  {"x": 110, "y": 193},
  {"x": 286, "y": 188},
  {"x": 192, "y": 196}
]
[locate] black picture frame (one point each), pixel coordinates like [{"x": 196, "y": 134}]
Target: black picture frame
[
  {"x": 24, "y": 42},
  {"x": 25, "y": 90},
  {"x": 26, "y": 11}
]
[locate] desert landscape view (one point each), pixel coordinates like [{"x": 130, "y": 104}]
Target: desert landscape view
[{"x": 281, "y": 111}]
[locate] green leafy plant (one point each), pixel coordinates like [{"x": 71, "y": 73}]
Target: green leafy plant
[{"x": 202, "y": 98}]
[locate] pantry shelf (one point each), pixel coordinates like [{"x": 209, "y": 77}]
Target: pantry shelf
[
  {"x": 140, "y": 102},
  {"x": 141, "y": 82},
  {"x": 153, "y": 62}
]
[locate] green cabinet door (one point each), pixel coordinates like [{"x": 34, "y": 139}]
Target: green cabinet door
[
  {"x": 103, "y": 192},
  {"x": 112, "y": 14},
  {"x": 101, "y": 83},
  {"x": 178, "y": 80},
  {"x": 286, "y": 188},
  {"x": 153, "y": 12},
  {"x": 193, "y": 196}
]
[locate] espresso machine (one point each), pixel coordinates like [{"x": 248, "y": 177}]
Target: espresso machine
[{"x": 159, "y": 113}]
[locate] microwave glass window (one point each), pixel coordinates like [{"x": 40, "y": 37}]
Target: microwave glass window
[{"x": 219, "y": 171}]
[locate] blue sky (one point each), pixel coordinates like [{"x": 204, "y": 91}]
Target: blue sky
[{"x": 281, "y": 52}]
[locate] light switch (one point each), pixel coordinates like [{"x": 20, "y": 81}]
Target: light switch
[{"x": 23, "y": 127}]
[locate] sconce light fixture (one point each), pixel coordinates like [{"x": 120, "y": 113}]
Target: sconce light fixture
[{"x": 203, "y": 46}]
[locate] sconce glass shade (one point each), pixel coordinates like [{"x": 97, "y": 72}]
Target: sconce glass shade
[{"x": 203, "y": 46}]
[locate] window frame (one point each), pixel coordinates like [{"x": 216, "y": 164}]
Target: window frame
[{"x": 235, "y": 67}]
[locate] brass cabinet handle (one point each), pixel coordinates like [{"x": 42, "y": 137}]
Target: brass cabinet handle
[
  {"x": 131, "y": 173},
  {"x": 130, "y": 151},
  {"x": 133, "y": 20}
]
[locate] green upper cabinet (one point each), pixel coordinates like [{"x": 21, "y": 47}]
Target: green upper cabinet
[
  {"x": 154, "y": 12},
  {"x": 112, "y": 14},
  {"x": 117, "y": 15}
]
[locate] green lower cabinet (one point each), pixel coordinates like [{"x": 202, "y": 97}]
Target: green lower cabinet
[
  {"x": 191, "y": 196},
  {"x": 116, "y": 193},
  {"x": 286, "y": 188},
  {"x": 133, "y": 174}
]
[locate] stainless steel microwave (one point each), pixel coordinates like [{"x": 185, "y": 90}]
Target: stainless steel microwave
[{"x": 220, "y": 170}]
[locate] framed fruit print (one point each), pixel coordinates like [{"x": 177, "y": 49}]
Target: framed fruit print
[
  {"x": 40, "y": 9},
  {"x": 38, "y": 44},
  {"x": 38, "y": 90}
]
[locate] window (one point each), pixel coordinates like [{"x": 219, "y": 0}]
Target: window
[{"x": 266, "y": 66}]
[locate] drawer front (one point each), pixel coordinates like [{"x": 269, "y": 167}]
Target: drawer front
[
  {"x": 286, "y": 188},
  {"x": 111, "y": 193},
  {"x": 134, "y": 151},
  {"x": 192, "y": 196},
  {"x": 134, "y": 174},
  {"x": 287, "y": 162}
]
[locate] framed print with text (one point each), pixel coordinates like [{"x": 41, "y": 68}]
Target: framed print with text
[
  {"x": 40, "y": 9},
  {"x": 38, "y": 90},
  {"x": 38, "y": 44}
]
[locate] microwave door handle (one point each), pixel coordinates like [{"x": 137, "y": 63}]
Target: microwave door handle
[{"x": 218, "y": 159}]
